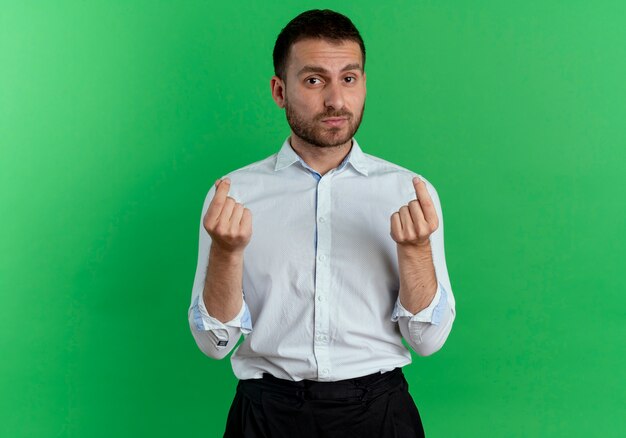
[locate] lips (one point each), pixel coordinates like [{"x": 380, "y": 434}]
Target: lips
[{"x": 334, "y": 121}]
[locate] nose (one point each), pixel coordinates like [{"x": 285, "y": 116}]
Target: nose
[{"x": 334, "y": 96}]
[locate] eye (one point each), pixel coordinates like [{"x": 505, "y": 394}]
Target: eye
[
  {"x": 311, "y": 79},
  {"x": 352, "y": 79}
]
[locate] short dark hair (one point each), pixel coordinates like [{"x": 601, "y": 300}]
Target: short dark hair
[{"x": 316, "y": 23}]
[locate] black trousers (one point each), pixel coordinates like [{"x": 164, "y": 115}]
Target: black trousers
[{"x": 376, "y": 406}]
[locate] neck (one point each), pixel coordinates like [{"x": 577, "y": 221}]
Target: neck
[{"x": 320, "y": 159}]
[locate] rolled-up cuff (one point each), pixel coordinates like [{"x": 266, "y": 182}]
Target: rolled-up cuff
[
  {"x": 204, "y": 321},
  {"x": 431, "y": 314}
]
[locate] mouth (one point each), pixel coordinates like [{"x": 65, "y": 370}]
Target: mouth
[{"x": 334, "y": 121}]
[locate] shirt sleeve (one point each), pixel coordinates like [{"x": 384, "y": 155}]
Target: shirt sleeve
[
  {"x": 427, "y": 330},
  {"x": 431, "y": 314},
  {"x": 214, "y": 338}
]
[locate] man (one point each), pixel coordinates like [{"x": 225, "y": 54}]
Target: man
[{"x": 346, "y": 259}]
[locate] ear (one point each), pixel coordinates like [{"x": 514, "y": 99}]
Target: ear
[{"x": 277, "y": 87}]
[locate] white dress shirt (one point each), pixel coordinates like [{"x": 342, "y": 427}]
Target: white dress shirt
[{"x": 320, "y": 273}]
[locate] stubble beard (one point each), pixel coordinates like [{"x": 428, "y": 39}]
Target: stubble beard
[{"x": 317, "y": 135}]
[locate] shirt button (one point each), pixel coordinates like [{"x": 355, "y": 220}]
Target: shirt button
[
  {"x": 322, "y": 219},
  {"x": 322, "y": 257},
  {"x": 320, "y": 298},
  {"x": 325, "y": 371}
]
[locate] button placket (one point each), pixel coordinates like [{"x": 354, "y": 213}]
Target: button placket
[{"x": 322, "y": 278}]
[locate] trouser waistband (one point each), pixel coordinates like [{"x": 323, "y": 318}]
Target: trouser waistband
[{"x": 359, "y": 388}]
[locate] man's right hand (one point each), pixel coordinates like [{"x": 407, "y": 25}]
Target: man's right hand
[{"x": 228, "y": 222}]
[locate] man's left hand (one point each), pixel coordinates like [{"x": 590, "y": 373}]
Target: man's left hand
[{"x": 412, "y": 225}]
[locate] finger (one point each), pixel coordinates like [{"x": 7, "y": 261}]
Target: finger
[
  {"x": 217, "y": 203},
  {"x": 426, "y": 203},
  {"x": 246, "y": 219},
  {"x": 227, "y": 211},
  {"x": 235, "y": 218},
  {"x": 416, "y": 214},
  {"x": 396, "y": 226},
  {"x": 408, "y": 228},
  {"x": 222, "y": 189}
]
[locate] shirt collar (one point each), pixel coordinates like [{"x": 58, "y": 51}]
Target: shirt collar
[{"x": 287, "y": 156}]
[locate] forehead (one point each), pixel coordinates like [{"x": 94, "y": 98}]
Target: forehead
[{"x": 322, "y": 52}]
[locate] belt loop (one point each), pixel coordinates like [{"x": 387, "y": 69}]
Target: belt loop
[
  {"x": 366, "y": 393},
  {"x": 364, "y": 388}
]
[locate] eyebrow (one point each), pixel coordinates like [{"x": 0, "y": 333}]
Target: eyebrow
[{"x": 317, "y": 69}]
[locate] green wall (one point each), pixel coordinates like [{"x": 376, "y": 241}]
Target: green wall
[{"x": 117, "y": 116}]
